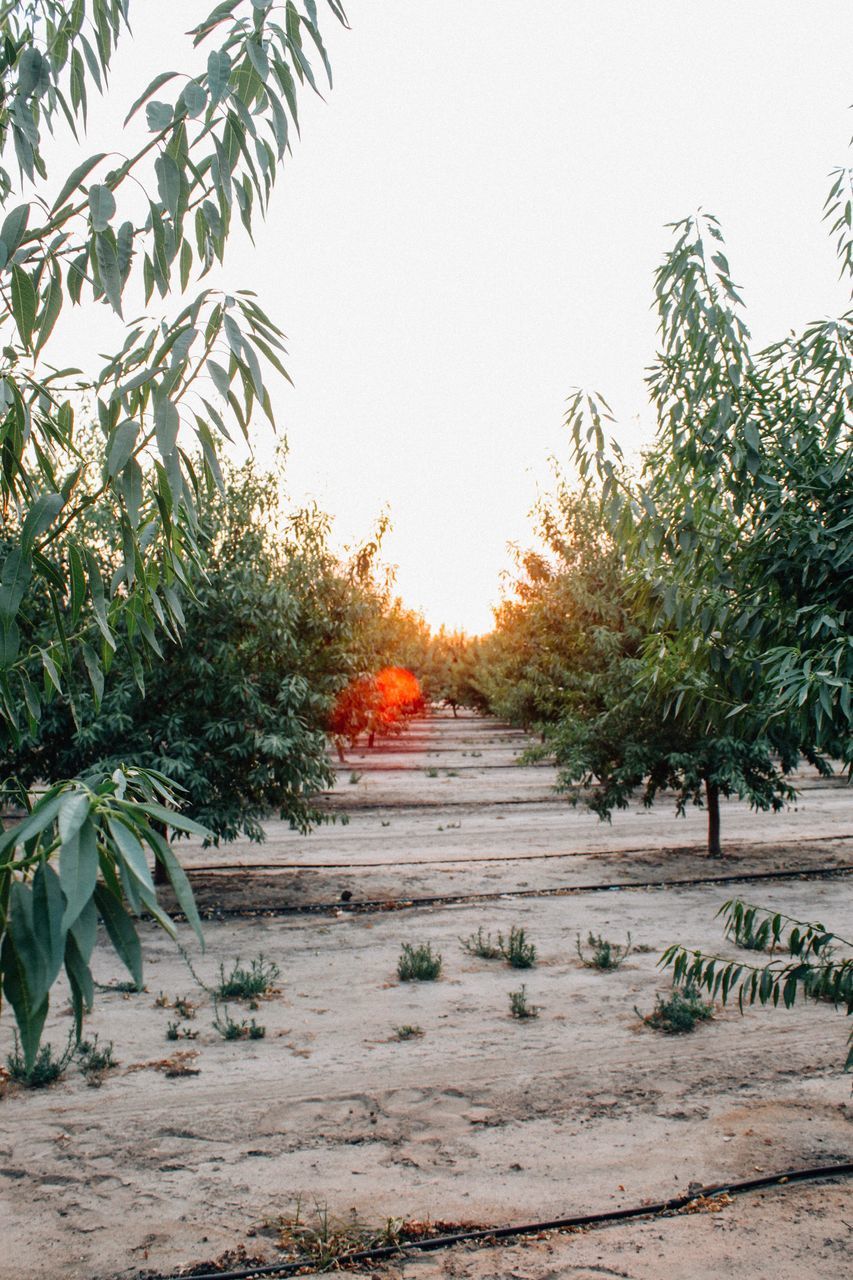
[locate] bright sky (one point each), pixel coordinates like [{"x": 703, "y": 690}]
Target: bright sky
[{"x": 469, "y": 228}]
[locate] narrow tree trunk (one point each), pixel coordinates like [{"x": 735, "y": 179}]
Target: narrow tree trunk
[
  {"x": 160, "y": 876},
  {"x": 370, "y": 737},
  {"x": 712, "y": 793}
]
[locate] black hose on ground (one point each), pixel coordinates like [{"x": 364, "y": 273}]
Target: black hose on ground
[
  {"x": 567, "y": 891},
  {"x": 488, "y": 1234}
]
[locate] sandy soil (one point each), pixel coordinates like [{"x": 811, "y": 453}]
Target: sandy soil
[{"x": 483, "y": 1118}]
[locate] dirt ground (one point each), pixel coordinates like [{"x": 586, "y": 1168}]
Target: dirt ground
[{"x": 482, "y": 1118}]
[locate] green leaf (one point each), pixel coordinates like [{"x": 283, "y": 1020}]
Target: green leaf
[
  {"x": 78, "y": 870},
  {"x": 48, "y": 906},
  {"x": 74, "y": 179},
  {"x": 102, "y": 206},
  {"x": 195, "y": 98},
  {"x": 122, "y": 934},
  {"x": 28, "y": 948},
  {"x": 14, "y": 227},
  {"x": 80, "y": 981},
  {"x": 168, "y": 183},
  {"x": 106, "y": 254},
  {"x": 14, "y": 580},
  {"x": 218, "y": 74},
  {"x": 156, "y": 83},
  {"x": 95, "y": 672},
  {"x": 131, "y": 852},
  {"x": 39, "y": 518},
  {"x": 179, "y": 882},
  {"x": 159, "y": 116},
  {"x": 29, "y": 1014},
  {"x": 23, "y": 303},
  {"x": 121, "y": 445}
]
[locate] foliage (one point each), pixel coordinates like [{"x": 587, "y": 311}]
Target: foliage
[
  {"x": 679, "y": 1012},
  {"x": 606, "y": 955},
  {"x": 802, "y": 964},
  {"x": 519, "y": 1006},
  {"x": 45, "y": 1067},
  {"x": 516, "y": 950},
  {"x": 247, "y": 984},
  {"x": 230, "y": 1029},
  {"x": 213, "y": 148},
  {"x": 408, "y": 1032},
  {"x": 95, "y": 1059},
  {"x": 418, "y": 963},
  {"x": 235, "y": 712},
  {"x": 174, "y": 1031},
  {"x": 739, "y": 523},
  {"x": 480, "y": 944},
  {"x": 97, "y": 830}
]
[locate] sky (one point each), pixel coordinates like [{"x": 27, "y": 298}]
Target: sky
[{"x": 469, "y": 226}]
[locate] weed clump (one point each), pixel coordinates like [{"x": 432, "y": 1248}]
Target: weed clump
[
  {"x": 606, "y": 955},
  {"x": 516, "y": 950},
  {"x": 418, "y": 964},
  {"x": 229, "y": 1029},
  {"x": 480, "y": 944},
  {"x": 519, "y": 1006},
  {"x": 407, "y": 1032},
  {"x": 47, "y": 1068},
  {"x": 247, "y": 984},
  {"x": 679, "y": 1012},
  {"x": 174, "y": 1031},
  {"x": 95, "y": 1060}
]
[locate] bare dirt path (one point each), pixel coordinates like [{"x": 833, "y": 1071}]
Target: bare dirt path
[{"x": 482, "y": 1118}]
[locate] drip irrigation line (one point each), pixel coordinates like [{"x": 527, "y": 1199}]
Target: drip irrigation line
[
  {"x": 578, "y": 1221},
  {"x": 437, "y": 900},
  {"x": 208, "y": 867}
]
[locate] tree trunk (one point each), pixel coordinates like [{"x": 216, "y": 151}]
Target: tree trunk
[
  {"x": 370, "y": 737},
  {"x": 160, "y": 876},
  {"x": 712, "y": 793}
]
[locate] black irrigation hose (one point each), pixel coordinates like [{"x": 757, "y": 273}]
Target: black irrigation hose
[
  {"x": 212, "y": 867},
  {"x": 533, "y": 1228},
  {"x": 438, "y": 900}
]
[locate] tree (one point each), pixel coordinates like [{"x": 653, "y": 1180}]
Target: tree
[
  {"x": 570, "y": 661},
  {"x": 234, "y": 715},
  {"x": 217, "y": 139}
]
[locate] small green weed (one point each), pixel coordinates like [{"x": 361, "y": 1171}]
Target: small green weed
[
  {"x": 418, "y": 964},
  {"x": 174, "y": 1031},
  {"x": 679, "y": 1012},
  {"x": 94, "y": 1060},
  {"x": 519, "y": 1006},
  {"x": 408, "y": 1032},
  {"x": 47, "y": 1068},
  {"x": 354, "y": 778},
  {"x": 184, "y": 1008},
  {"x": 126, "y": 988},
  {"x": 229, "y": 1029},
  {"x": 247, "y": 984},
  {"x": 432, "y": 773},
  {"x": 480, "y": 944},
  {"x": 517, "y": 951},
  {"x": 606, "y": 955}
]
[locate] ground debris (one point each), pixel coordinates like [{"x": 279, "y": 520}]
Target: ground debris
[
  {"x": 708, "y": 1204},
  {"x": 177, "y": 1064}
]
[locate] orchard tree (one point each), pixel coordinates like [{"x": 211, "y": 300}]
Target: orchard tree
[
  {"x": 234, "y": 714},
  {"x": 218, "y": 132}
]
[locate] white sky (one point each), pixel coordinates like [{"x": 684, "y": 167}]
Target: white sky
[{"x": 469, "y": 228}]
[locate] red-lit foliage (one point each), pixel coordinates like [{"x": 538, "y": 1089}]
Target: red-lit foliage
[{"x": 376, "y": 704}]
